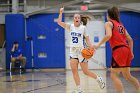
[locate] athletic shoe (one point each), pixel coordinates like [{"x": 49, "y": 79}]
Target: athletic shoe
[
  {"x": 78, "y": 91},
  {"x": 100, "y": 82}
]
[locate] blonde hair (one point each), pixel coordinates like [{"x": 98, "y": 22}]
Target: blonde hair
[{"x": 84, "y": 18}]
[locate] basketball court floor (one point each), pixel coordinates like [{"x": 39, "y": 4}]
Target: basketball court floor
[{"x": 45, "y": 81}]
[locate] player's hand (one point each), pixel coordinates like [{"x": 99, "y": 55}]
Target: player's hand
[
  {"x": 61, "y": 10},
  {"x": 91, "y": 47}
]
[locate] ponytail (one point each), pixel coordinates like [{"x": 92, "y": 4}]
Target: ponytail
[{"x": 84, "y": 19}]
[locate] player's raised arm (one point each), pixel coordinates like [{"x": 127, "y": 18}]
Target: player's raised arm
[{"x": 59, "y": 21}]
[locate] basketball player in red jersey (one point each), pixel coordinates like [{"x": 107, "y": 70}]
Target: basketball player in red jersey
[{"x": 122, "y": 52}]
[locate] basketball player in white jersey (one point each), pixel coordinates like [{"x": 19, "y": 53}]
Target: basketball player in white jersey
[{"x": 77, "y": 33}]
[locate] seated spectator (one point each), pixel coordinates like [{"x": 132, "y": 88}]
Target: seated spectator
[{"x": 16, "y": 53}]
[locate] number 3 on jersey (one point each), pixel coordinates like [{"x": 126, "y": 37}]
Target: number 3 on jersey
[{"x": 75, "y": 39}]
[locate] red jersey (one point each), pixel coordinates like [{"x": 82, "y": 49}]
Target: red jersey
[{"x": 118, "y": 35}]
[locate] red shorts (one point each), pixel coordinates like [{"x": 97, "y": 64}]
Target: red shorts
[{"x": 121, "y": 57}]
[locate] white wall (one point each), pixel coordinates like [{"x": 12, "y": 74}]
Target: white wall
[
  {"x": 96, "y": 29},
  {"x": 2, "y": 18}
]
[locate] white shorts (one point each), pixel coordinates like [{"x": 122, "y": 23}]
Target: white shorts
[{"x": 76, "y": 54}]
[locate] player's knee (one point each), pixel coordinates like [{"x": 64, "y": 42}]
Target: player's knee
[
  {"x": 85, "y": 72},
  {"x": 74, "y": 71},
  {"x": 127, "y": 77},
  {"x": 24, "y": 58},
  {"x": 13, "y": 59}
]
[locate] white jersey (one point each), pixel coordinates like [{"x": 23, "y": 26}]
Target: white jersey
[{"x": 77, "y": 35}]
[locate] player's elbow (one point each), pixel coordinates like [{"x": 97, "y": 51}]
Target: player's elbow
[
  {"x": 58, "y": 22},
  {"x": 108, "y": 36}
]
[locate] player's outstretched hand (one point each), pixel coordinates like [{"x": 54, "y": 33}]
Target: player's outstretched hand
[{"x": 61, "y": 10}]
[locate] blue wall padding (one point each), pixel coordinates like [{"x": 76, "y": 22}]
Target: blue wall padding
[{"x": 53, "y": 45}]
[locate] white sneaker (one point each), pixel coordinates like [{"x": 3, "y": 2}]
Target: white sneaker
[
  {"x": 78, "y": 91},
  {"x": 100, "y": 82}
]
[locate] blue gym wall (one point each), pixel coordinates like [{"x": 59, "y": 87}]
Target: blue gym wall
[
  {"x": 54, "y": 44},
  {"x": 42, "y": 24},
  {"x": 131, "y": 22}
]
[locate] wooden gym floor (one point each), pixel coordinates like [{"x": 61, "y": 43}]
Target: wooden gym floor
[{"x": 40, "y": 81}]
